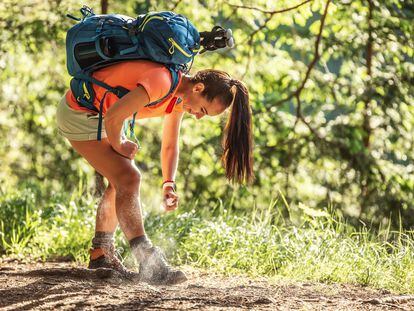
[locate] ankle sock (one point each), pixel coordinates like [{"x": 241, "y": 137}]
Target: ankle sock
[{"x": 103, "y": 239}]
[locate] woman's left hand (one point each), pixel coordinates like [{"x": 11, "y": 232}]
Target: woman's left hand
[{"x": 170, "y": 199}]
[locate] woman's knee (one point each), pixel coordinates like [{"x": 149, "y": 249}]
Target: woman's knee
[{"x": 129, "y": 180}]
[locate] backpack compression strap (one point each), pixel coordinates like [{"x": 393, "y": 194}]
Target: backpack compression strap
[
  {"x": 175, "y": 75},
  {"x": 120, "y": 91}
]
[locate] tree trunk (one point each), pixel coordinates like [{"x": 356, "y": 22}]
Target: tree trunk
[
  {"x": 99, "y": 179},
  {"x": 104, "y": 6},
  {"x": 365, "y": 175},
  {"x": 368, "y": 59}
]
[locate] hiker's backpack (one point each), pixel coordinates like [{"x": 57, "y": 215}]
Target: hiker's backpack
[{"x": 101, "y": 40}]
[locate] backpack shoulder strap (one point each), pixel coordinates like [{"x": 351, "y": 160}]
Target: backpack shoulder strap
[
  {"x": 176, "y": 78},
  {"x": 118, "y": 91},
  {"x": 121, "y": 91}
]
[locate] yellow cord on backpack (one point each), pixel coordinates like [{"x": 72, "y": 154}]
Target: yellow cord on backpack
[{"x": 85, "y": 90}]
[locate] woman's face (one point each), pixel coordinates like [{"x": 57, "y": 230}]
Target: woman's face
[{"x": 197, "y": 105}]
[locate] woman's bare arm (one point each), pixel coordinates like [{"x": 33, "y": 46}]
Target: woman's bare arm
[
  {"x": 169, "y": 144},
  {"x": 121, "y": 110}
]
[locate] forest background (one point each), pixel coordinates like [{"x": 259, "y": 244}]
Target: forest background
[{"x": 331, "y": 86}]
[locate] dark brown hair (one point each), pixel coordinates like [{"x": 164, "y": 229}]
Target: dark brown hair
[{"x": 237, "y": 139}]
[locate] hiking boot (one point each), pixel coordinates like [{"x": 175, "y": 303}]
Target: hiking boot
[
  {"x": 154, "y": 269},
  {"x": 108, "y": 258}
]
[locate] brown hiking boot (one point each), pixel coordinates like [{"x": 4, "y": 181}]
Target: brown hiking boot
[
  {"x": 154, "y": 269},
  {"x": 107, "y": 257}
]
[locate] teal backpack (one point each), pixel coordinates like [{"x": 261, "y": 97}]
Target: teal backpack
[{"x": 98, "y": 41}]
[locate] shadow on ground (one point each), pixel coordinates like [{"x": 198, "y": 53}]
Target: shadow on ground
[{"x": 55, "y": 286}]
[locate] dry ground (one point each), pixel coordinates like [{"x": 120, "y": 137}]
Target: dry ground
[{"x": 63, "y": 286}]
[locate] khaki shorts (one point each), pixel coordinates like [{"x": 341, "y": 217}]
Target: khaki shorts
[{"x": 77, "y": 125}]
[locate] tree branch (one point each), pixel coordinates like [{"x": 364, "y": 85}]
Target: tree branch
[
  {"x": 314, "y": 60},
  {"x": 176, "y": 5},
  {"x": 268, "y": 19},
  {"x": 261, "y": 27},
  {"x": 249, "y": 60},
  {"x": 265, "y": 11}
]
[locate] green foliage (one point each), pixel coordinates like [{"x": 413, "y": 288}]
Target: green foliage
[
  {"x": 322, "y": 247},
  {"x": 349, "y": 146},
  {"x": 36, "y": 225},
  {"x": 309, "y": 244},
  {"x": 354, "y": 151}
]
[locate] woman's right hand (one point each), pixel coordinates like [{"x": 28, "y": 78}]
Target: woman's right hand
[{"x": 126, "y": 148}]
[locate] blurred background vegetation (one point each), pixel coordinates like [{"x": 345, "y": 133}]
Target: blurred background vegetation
[
  {"x": 332, "y": 90},
  {"x": 332, "y": 103}
]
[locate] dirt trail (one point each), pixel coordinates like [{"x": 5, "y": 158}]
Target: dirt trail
[{"x": 62, "y": 286}]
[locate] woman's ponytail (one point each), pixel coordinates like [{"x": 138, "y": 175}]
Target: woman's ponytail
[{"x": 237, "y": 140}]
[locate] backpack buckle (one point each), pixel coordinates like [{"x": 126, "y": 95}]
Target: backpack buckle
[{"x": 100, "y": 25}]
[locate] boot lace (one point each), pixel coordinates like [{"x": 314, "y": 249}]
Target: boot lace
[{"x": 114, "y": 257}]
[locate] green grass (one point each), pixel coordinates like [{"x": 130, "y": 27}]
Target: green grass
[{"x": 307, "y": 245}]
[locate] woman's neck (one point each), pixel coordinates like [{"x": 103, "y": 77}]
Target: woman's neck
[{"x": 183, "y": 86}]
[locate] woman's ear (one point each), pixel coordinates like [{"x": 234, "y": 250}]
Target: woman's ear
[{"x": 198, "y": 87}]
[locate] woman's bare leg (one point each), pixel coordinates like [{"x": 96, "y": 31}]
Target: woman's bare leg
[
  {"x": 125, "y": 177},
  {"x": 106, "y": 219}
]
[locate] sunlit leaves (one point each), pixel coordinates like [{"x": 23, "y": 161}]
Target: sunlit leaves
[{"x": 272, "y": 55}]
